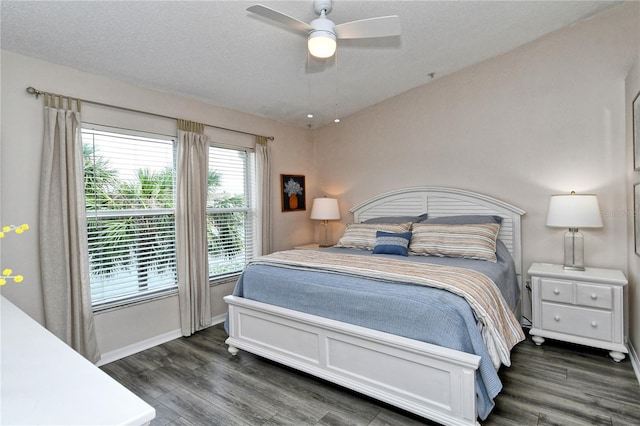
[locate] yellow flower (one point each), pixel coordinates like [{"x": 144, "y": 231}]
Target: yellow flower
[{"x": 7, "y": 273}]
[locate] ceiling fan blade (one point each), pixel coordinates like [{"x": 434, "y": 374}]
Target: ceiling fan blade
[
  {"x": 280, "y": 17},
  {"x": 383, "y": 26}
]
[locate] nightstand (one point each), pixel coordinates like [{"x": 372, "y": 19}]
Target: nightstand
[
  {"x": 308, "y": 247},
  {"x": 584, "y": 307}
]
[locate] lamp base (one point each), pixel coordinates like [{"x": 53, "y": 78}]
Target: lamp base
[
  {"x": 574, "y": 250},
  {"x": 573, "y": 268},
  {"x": 325, "y": 242}
]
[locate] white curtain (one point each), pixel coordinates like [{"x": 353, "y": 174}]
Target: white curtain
[
  {"x": 263, "y": 152},
  {"x": 191, "y": 228},
  {"x": 64, "y": 258}
]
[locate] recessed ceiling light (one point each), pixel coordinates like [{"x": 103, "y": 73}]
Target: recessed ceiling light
[
  {"x": 309, "y": 115},
  {"x": 337, "y": 120}
]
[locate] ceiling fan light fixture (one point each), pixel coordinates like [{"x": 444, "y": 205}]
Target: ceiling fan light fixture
[
  {"x": 322, "y": 33},
  {"x": 322, "y": 44}
]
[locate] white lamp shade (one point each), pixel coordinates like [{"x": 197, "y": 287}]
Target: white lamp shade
[
  {"x": 325, "y": 209},
  {"x": 574, "y": 211},
  {"x": 322, "y": 44}
]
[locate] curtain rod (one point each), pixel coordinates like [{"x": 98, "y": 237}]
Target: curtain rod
[{"x": 36, "y": 93}]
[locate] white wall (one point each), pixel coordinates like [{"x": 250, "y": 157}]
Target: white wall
[
  {"x": 544, "y": 119},
  {"x": 22, "y": 127}
]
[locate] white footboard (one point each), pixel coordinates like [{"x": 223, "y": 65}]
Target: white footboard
[{"x": 425, "y": 379}]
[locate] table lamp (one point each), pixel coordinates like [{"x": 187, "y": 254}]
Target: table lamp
[
  {"x": 325, "y": 209},
  {"x": 574, "y": 211}
]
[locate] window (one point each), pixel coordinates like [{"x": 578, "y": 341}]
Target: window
[
  {"x": 130, "y": 192},
  {"x": 130, "y": 204},
  {"x": 230, "y": 210}
]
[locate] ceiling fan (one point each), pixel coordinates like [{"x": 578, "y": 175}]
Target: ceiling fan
[{"x": 322, "y": 32}]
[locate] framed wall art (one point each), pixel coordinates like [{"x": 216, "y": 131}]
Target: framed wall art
[
  {"x": 292, "y": 192},
  {"x": 635, "y": 108}
]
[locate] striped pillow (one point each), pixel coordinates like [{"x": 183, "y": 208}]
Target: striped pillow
[
  {"x": 363, "y": 235},
  {"x": 471, "y": 241}
]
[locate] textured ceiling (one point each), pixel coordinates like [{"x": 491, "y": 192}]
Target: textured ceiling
[{"x": 217, "y": 52}]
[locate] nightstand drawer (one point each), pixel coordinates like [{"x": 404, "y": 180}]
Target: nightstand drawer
[
  {"x": 594, "y": 295},
  {"x": 577, "y": 321},
  {"x": 556, "y": 290}
]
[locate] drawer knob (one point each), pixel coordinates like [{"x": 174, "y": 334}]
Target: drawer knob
[
  {"x": 557, "y": 317},
  {"x": 556, "y": 291},
  {"x": 594, "y": 324},
  {"x": 594, "y": 296}
]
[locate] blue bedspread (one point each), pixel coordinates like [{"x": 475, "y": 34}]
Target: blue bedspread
[{"x": 416, "y": 312}]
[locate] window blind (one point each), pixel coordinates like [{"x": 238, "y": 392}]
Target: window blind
[
  {"x": 130, "y": 205},
  {"x": 230, "y": 210}
]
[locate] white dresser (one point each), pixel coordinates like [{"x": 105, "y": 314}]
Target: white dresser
[
  {"x": 584, "y": 307},
  {"x": 45, "y": 382}
]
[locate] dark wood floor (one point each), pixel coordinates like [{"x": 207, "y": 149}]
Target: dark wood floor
[{"x": 194, "y": 381}]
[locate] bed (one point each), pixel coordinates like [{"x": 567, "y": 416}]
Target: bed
[{"x": 273, "y": 315}]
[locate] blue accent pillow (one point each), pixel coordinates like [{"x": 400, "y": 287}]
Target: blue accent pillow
[{"x": 392, "y": 243}]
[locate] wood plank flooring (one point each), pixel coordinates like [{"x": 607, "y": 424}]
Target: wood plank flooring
[{"x": 195, "y": 381}]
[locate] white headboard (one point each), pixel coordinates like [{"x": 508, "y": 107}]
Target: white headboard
[{"x": 440, "y": 201}]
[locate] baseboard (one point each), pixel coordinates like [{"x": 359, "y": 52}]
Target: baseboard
[
  {"x": 218, "y": 319},
  {"x": 149, "y": 343},
  {"x": 138, "y": 347},
  {"x": 635, "y": 360}
]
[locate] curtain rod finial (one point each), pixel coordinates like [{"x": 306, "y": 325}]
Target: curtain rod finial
[{"x": 33, "y": 91}]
